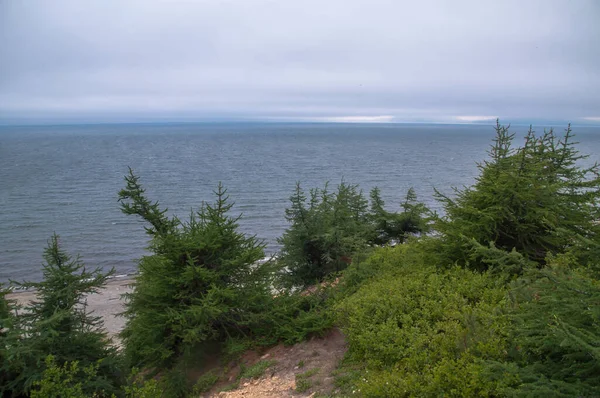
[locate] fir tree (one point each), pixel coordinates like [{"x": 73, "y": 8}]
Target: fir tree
[
  {"x": 200, "y": 286},
  {"x": 397, "y": 227},
  {"x": 6, "y": 324},
  {"x": 554, "y": 335},
  {"x": 536, "y": 199},
  {"x": 57, "y": 323},
  {"x": 327, "y": 230}
]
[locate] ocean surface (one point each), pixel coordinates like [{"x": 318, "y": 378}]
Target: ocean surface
[{"x": 65, "y": 179}]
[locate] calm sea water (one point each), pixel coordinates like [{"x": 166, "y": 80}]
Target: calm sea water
[{"x": 65, "y": 179}]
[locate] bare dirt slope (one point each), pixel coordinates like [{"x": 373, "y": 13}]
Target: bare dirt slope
[{"x": 301, "y": 370}]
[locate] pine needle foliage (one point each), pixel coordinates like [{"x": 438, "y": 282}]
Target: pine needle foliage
[
  {"x": 391, "y": 227},
  {"x": 536, "y": 199},
  {"x": 555, "y": 334},
  {"x": 200, "y": 285},
  {"x": 57, "y": 323},
  {"x": 327, "y": 229},
  {"x": 7, "y": 321}
]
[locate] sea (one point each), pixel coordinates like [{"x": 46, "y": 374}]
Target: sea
[{"x": 66, "y": 179}]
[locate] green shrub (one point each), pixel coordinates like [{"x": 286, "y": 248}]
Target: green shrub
[
  {"x": 64, "y": 381},
  {"x": 205, "y": 382},
  {"x": 423, "y": 331}
]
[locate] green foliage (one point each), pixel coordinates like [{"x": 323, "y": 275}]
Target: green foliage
[
  {"x": 65, "y": 381},
  {"x": 6, "y": 324},
  {"x": 256, "y": 370},
  {"x": 422, "y": 331},
  {"x": 57, "y": 323},
  {"x": 138, "y": 387},
  {"x": 329, "y": 230},
  {"x": 326, "y": 230},
  {"x": 536, "y": 199},
  {"x": 397, "y": 227},
  {"x": 302, "y": 385},
  {"x": 205, "y": 382},
  {"x": 555, "y": 334},
  {"x": 70, "y": 381},
  {"x": 202, "y": 285},
  {"x": 293, "y": 317}
]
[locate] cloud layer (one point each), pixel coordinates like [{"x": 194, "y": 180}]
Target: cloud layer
[{"x": 252, "y": 59}]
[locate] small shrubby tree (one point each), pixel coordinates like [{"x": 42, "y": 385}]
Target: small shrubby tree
[
  {"x": 536, "y": 199},
  {"x": 200, "y": 286},
  {"x": 57, "y": 323},
  {"x": 326, "y": 230}
]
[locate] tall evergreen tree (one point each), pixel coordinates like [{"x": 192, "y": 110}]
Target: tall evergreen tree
[
  {"x": 57, "y": 323},
  {"x": 326, "y": 230},
  {"x": 537, "y": 199},
  {"x": 200, "y": 285}
]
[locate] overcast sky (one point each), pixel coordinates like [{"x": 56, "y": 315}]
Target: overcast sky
[{"x": 347, "y": 60}]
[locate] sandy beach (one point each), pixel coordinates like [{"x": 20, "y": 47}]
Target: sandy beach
[{"x": 107, "y": 303}]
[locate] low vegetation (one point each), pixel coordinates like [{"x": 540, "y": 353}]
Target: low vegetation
[{"x": 498, "y": 296}]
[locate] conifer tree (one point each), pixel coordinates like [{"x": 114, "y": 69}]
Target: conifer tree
[
  {"x": 537, "y": 199},
  {"x": 554, "y": 335},
  {"x": 397, "y": 227},
  {"x": 57, "y": 323},
  {"x": 326, "y": 230},
  {"x": 200, "y": 285},
  {"x": 6, "y": 324}
]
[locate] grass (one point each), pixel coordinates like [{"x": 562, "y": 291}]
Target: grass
[
  {"x": 302, "y": 379},
  {"x": 205, "y": 382},
  {"x": 308, "y": 373},
  {"x": 256, "y": 370},
  {"x": 303, "y": 385}
]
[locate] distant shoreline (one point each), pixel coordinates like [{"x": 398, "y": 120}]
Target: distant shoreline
[{"x": 108, "y": 303}]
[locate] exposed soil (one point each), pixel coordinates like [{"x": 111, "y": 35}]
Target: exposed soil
[{"x": 301, "y": 370}]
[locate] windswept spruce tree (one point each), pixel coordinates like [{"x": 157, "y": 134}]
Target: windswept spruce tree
[
  {"x": 57, "y": 323},
  {"x": 330, "y": 228},
  {"x": 200, "y": 286},
  {"x": 536, "y": 199},
  {"x": 326, "y": 230},
  {"x": 397, "y": 227}
]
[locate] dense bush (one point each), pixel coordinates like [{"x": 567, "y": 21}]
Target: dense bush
[
  {"x": 70, "y": 380},
  {"x": 421, "y": 331},
  {"x": 57, "y": 323},
  {"x": 536, "y": 199}
]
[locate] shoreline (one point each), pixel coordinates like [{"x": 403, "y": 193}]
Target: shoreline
[{"x": 107, "y": 303}]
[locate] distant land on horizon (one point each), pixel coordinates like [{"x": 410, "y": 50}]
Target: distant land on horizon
[{"x": 557, "y": 123}]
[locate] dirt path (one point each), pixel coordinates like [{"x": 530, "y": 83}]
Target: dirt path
[{"x": 301, "y": 370}]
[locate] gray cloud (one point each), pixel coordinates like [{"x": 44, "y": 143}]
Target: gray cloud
[{"x": 428, "y": 60}]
